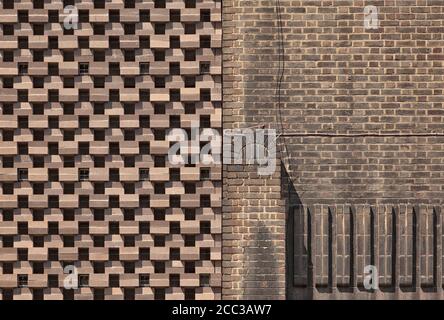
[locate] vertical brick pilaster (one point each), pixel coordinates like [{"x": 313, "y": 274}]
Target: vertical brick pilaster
[{"x": 253, "y": 213}]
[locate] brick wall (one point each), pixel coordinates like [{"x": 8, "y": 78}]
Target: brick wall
[
  {"x": 85, "y": 175},
  {"x": 253, "y": 212},
  {"x": 360, "y": 116},
  {"x": 363, "y": 108}
]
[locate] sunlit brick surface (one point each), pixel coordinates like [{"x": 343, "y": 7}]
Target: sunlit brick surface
[{"x": 84, "y": 170}]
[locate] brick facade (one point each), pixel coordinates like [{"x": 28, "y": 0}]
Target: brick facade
[
  {"x": 363, "y": 108},
  {"x": 360, "y": 118},
  {"x": 253, "y": 211},
  {"x": 85, "y": 177}
]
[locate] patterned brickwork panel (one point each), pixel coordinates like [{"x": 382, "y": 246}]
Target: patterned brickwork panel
[
  {"x": 91, "y": 205},
  {"x": 335, "y": 248}
]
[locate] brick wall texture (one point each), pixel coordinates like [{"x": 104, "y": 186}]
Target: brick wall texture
[
  {"x": 360, "y": 119},
  {"x": 85, "y": 177},
  {"x": 253, "y": 211}
]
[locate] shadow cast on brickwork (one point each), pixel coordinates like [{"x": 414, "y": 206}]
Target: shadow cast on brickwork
[{"x": 296, "y": 272}]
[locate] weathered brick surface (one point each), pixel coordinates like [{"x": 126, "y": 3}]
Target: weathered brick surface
[
  {"x": 361, "y": 113},
  {"x": 253, "y": 212},
  {"x": 253, "y": 235},
  {"x": 383, "y": 84}
]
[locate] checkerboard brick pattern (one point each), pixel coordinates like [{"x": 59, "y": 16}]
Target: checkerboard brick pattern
[{"x": 85, "y": 178}]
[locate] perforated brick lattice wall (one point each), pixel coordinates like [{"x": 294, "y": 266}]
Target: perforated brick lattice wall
[{"x": 85, "y": 177}]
